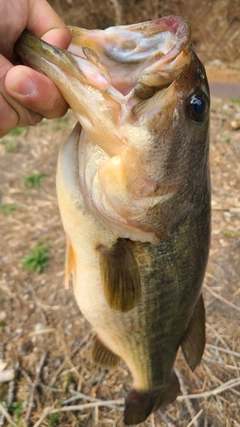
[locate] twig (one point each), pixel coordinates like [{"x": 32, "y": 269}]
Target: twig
[
  {"x": 167, "y": 418},
  {"x": 97, "y": 379},
  {"x": 191, "y": 410},
  {"x": 78, "y": 395},
  {"x": 31, "y": 398},
  {"x": 221, "y": 363},
  {"x": 42, "y": 332},
  {"x": 153, "y": 420},
  {"x": 221, "y": 298},
  {"x": 7, "y": 415},
  {"x": 26, "y": 376},
  {"x": 96, "y": 416},
  {"x": 106, "y": 403},
  {"x": 224, "y": 350},
  {"x": 11, "y": 388},
  {"x": 195, "y": 418},
  {"x": 10, "y": 396},
  {"x": 6, "y": 376},
  {"x": 85, "y": 339},
  {"x": 228, "y": 385},
  {"x": 53, "y": 380},
  {"x": 220, "y": 339},
  {"x": 52, "y": 389},
  {"x": 45, "y": 413}
]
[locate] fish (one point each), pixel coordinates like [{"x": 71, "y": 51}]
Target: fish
[{"x": 133, "y": 187}]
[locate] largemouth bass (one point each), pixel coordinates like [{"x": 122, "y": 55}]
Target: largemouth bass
[{"x": 133, "y": 191}]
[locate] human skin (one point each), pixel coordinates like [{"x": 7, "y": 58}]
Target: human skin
[{"x": 27, "y": 96}]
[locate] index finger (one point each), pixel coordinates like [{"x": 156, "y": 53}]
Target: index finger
[{"x": 44, "y": 22}]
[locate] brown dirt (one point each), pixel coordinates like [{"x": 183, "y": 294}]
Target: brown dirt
[{"x": 38, "y": 315}]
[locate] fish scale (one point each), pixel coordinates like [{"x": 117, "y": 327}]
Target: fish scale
[{"x": 134, "y": 195}]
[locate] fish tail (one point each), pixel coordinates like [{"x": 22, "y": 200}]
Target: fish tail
[{"x": 140, "y": 403}]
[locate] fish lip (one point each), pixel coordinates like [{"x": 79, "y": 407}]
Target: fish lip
[{"x": 30, "y": 44}]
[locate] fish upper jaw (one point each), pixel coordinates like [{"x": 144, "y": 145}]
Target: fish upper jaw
[{"x": 138, "y": 53}]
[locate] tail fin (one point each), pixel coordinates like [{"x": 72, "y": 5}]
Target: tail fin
[{"x": 140, "y": 404}]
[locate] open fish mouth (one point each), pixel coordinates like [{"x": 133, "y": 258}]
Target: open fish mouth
[{"x": 144, "y": 57}]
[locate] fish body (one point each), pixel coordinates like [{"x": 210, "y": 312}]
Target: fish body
[{"x": 134, "y": 196}]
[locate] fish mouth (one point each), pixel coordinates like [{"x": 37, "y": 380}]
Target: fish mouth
[{"x": 133, "y": 57}]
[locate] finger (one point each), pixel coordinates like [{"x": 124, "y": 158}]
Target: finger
[
  {"x": 8, "y": 117},
  {"x": 35, "y": 92},
  {"x": 11, "y": 112},
  {"x": 44, "y": 22},
  {"x": 36, "y": 16}
]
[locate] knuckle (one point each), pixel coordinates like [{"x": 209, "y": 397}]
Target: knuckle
[
  {"x": 29, "y": 118},
  {"x": 57, "y": 106},
  {"x": 8, "y": 117},
  {"x": 15, "y": 115}
]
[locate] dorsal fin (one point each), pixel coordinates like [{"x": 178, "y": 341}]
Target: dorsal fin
[
  {"x": 193, "y": 342},
  {"x": 120, "y": 276}
]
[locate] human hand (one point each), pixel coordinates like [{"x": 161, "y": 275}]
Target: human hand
[{"x": 27, "y": 96}]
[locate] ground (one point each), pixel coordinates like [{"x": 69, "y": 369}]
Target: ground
[{"x": 46, "y": 340}]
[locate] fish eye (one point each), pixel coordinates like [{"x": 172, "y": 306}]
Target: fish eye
[{"x": 197, "y": 108}]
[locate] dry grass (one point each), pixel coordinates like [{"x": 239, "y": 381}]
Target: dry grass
[{"x": 46, "y": 340}]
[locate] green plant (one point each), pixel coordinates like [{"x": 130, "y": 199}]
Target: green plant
[
  {"x": 2, "y": 325},
  {"x": 8, "y": 208},
  {"x": 3, "y": 403},
  {"x": 235, "y": 101},
  {"x": 11, "y": 146},
  {"x": 33, "y": 180},
  {"x": 225, "y": 138},
  {"x": 59, "y": 119},
  {"x": 68, "y": 379},
  {"x": 232, "y": 234},
  {"x": 16, "y": 131},
  {"x": 37, "y": 259},
  {"x": 16, "y": 411},
  {"x": 16, "y": 408},
  {"x": 53, "y": 418}
]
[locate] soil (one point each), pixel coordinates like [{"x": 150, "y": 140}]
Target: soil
[{"x": 44, "y": 337}]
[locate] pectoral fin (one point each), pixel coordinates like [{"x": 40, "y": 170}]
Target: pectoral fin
[
  {"x": 120, "y": 276},
  {"x": 103, "y": 356},
  {"x": 193, "y": 342}
]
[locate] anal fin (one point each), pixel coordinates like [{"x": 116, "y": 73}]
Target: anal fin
[
  {"x": 193, "y": 341},
  {"x": 120, "y": 276},
  {"x": 103, "y": 356}
]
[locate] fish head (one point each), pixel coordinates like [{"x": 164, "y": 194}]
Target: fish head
[{"x": 141, "y": 96}]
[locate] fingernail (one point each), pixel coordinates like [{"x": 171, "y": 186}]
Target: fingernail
[{"x": 23, "y": 85}]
